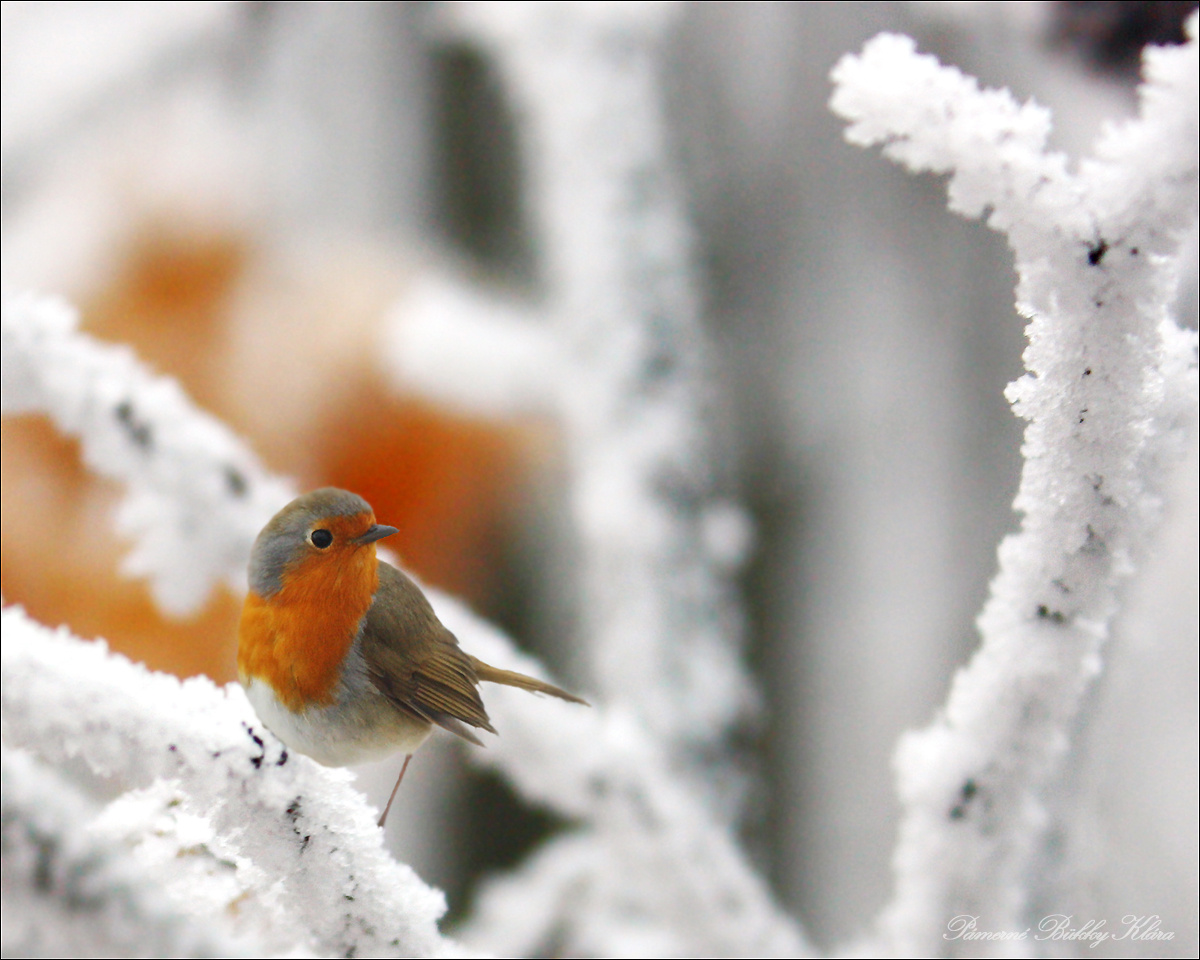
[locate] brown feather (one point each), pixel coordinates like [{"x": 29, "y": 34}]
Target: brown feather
[
  {"x": 416, "y": 662},
  {"x": 510, "y": 678}
]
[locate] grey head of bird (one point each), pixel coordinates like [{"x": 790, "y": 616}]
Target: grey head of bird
[{"x": 314, "y": 522}]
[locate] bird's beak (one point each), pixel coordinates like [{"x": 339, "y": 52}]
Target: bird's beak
[{"x": 377, "y": 531}]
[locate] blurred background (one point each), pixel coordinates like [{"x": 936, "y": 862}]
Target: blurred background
[{"x": 249, "y": 194}]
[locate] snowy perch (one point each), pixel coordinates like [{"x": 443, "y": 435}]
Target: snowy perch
[
  {"x": 236, "y": 833},
  {"x": 1110, "y": 396},
  {"x": 223, "y": 822},
  {"x": 70, "y": 890}
]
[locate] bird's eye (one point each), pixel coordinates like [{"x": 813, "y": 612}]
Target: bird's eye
[{"x": 321, "y": 538}]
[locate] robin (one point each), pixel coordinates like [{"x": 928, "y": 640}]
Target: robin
[{"x": 341, "y": 654}]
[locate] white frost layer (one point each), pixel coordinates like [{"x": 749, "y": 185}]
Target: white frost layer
[
  {"x": 1110, "y": 397},
  {"x": 223, "y": 823},
  {"x": 68, "y": 892},
  {"x": 195, "y": 496}
]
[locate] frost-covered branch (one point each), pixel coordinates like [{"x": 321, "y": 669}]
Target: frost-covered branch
[
  {"x": 69, "y": 892},
  {"x": 661, "y": 617},
  {"x": 1110, "y": 397},
  {"x": 195, "y": 496},
  {"x": 224, "y": 824}
]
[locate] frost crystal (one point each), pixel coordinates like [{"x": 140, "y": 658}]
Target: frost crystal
[
  {"x": 195, "y": 496},
  {"x": 1110, "y": 396}
]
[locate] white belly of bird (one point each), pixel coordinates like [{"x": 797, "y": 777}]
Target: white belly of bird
[{"x": 364, "y": 730}]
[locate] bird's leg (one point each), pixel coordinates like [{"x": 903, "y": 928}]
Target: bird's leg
[{"x": 383, "y": 819}]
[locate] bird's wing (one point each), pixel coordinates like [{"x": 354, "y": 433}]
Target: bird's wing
[{"x": 416, "y": 662}]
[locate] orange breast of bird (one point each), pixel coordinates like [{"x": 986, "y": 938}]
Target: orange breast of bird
[{"x": 297, "y": 639}]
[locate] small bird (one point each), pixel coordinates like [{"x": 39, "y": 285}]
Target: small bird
[{"x": 341, "y": 654}]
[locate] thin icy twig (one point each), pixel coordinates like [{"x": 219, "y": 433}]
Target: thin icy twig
[
  {"x": 195, "y": 496},
  {"x": 1110, "y": 397}
]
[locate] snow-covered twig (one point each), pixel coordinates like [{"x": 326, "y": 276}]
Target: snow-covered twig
[
  {"x": 68, "y": 892},
  {"x": 661, "y": 617},
  {"x": 1110, "y": 397},
  {"x": 222, "y": 819},
  {"x": 195, "y": 496}
]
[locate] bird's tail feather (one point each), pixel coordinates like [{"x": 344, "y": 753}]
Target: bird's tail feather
[{"x": 511, "y": 678}]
